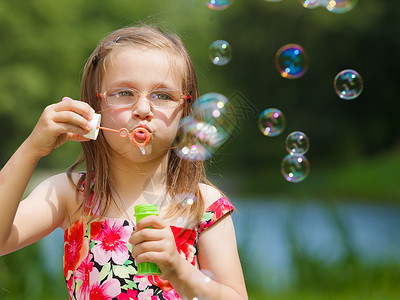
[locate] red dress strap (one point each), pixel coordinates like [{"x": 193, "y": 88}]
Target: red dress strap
[{"x": 214, "y": 212}]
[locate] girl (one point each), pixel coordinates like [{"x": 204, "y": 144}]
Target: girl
[{"x": 143, "y": 80}]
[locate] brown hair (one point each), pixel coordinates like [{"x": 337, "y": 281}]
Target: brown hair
[{"x": 183, "y": 176}]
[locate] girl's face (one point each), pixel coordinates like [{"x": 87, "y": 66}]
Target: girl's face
[{"x": 144, "y": 70}]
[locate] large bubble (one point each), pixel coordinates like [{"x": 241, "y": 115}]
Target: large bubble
[
  {"x": 271, "y": 122},
  {"x": 215, "y": 110},
  {"x": 348, "y": 84},
  {"x": 291, "y": 61},
  {"x": 219, "y": 4},
  {"x": 297, "y": 142},
  {"x": 195, "y": 140},
  {"x": 211, "y": 124},
  {"x": 295, "y": 168},
  {"x": 220, "y": 52}
]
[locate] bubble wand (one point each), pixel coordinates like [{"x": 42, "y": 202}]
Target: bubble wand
[{"x": 138, "y": 133}]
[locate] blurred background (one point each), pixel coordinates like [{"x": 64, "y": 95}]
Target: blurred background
[{"x": 333, "y": 235}]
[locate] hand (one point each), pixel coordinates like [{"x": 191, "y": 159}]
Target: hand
[
  {"x": 156, "y": 245},
  {"x": 61, "y": 122}
]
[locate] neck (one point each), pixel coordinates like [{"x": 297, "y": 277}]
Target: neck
[{"x": 140, "y": 182}]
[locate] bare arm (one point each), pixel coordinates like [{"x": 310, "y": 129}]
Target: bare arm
[
  {"x": 24, "y": 222},
  {"x": 217, "y": 253}
]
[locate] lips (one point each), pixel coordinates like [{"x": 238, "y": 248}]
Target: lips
[{"x": 140, "y": 136}]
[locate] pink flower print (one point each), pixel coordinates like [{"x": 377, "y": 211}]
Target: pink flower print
[
  {"x": 109, "y": 289},
  {"x": 111, "y": 242},
  {"x": 129, "y": 295},
  {"x": 171, "y": 295},
  {"x": 147, "y": 295},
  {"x": 83, "y": 275},
  {"x": 142, "y": 281}
]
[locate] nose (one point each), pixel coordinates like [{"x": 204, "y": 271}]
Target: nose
[{"x": 143, "y": 109}]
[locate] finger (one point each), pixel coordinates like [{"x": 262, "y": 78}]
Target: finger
[
  {"x": 72, "y": 117},
  {"x": 69, "y": 129},
  {"x": 151, "y": 221},
  {"x": 145, "y": 235},
  {"x": 146, "y": 247},
  {"x": 77, "y": 106}
]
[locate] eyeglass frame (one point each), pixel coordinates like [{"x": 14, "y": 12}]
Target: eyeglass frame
[{"x": 104, "y": 96}]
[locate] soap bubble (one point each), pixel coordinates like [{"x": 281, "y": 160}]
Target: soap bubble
[
  {"x": 291, "y": 61},
  {"x": 186, "y": 199},
  {"x": 220, "y": 52},
  {"x": 348, "y": 84},
  {"x": 295, "y": 168},
  {"x": 219, "y": 4},
  {"x": 297, "y": 143},
  {"x": 271, "y": 122},
  {"x": 338, "y": 6},
  {"x": 217, "y": 112},
  {"x": 310, "y": 3},
  {"x": 201, "y": 281},
  {"x": 195, "y": 140}
]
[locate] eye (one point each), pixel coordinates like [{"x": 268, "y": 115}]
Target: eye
[
  {"x": 161, "y": 95},
  {"x": 125, "y": 93},
  {"x": 119, "y": 93}
]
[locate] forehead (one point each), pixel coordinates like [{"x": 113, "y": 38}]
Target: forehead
[{"x": 142, "y": 68}]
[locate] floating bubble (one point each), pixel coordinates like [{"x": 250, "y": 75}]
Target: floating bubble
[
  {"x": 218, "y": 113},
  {"x": 271, "y": 122},
  {"x": 195, "y": 140},
  {"x": 295, "y": 167},
  {"x": 348, "y": 84},
  {"x": 219, "y": 4},
  {"x": 338, "y": 6},
  {"x": 201, "y": 281},
  {"x": 291, "y": 61},
  {"x": 310, "y": 3},
  {"x": 186, "y": 199},
  {"x": 297, "y": 143},
  {"x": 220, "y": 52}
]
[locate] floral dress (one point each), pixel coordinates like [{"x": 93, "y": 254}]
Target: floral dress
[{"x": 98, "y": 263}]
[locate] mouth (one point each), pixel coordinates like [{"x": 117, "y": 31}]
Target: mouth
[{"x": 140, "y": 136}]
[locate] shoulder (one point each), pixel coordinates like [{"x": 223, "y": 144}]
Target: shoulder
[
  {"x": 210, "y": 194},
  {"x": 55, "y": 199},
  {"x": 67, "y": 194},
  {"x": 217, "y": 206}
]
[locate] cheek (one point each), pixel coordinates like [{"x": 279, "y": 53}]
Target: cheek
[{"x": 115, "y": 118}]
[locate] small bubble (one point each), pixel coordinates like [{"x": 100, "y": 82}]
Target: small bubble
[
  {"x": 295, "y": 167},
  {"x": 220, "y": 52},
  {"x": 291, "y": 61},
  {"x": 310, "y": 3},
  {"x": 348, "y": 84},
  {"x": 219, "y": 4},
  {"x": 297, "y": 142},
  {"x": 338, "y": 6},
  {"x": 271, "y": 122}
]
